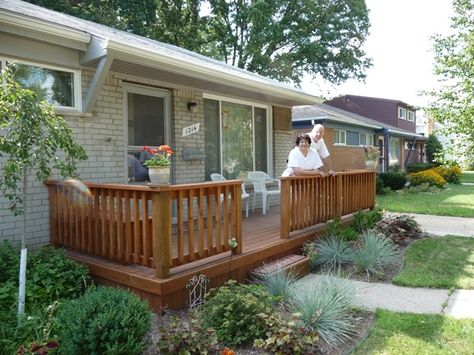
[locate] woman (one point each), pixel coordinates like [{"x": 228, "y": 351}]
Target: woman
[{"x": 303, "y": 160}]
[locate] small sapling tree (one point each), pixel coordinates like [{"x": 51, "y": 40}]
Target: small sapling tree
[{"x": 33, "y": 140}]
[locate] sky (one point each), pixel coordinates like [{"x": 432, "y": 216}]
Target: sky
[{"x": 401, "y": 48}]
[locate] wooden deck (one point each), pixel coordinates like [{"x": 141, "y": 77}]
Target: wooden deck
[
  {"x": 261, "y": 243},
  {"x": 152, "y": 241}
]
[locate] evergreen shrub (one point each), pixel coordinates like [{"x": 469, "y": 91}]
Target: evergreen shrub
[
  {"x": 104, "y": 320},
  {"x": 396, "y": 180}
]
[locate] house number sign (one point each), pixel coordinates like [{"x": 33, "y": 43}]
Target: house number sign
[{"x": 190, "y": 129}]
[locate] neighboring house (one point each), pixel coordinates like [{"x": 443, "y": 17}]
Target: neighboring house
[
  {"x": 120, "y": 91},
  {"x": 391, "y": 115},
  {"x": 346, "y": 134}
]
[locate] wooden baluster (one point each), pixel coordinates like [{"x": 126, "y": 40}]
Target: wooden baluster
[
  {"x": 180, "y": 227},
  {"x": 191, "y": 224},
  {"x": 200, "y": 223},
  {"x": 237, "y": 217},
  {"x": 136, "y": 229},
  {"x": 146, "y": 235},
  {"x": 128, "y": 229},
  {"x": 120, "y": 227},
  {"x": 210, "y": 245},
  {"x": 339, "y": 195}
]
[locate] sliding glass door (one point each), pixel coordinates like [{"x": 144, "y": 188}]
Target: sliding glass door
[{"x": 236, "y": 138}]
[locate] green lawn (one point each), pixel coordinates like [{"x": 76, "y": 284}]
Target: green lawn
[
  {"x": 446, "y": 262},
  {"x": 467, "y": 176},
  {"x": 405, "y": 333},
  {"x": 456, "y": 200}
]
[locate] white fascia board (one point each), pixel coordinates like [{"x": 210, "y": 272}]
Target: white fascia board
[
  {"x": 45, "y": 28},
  {"x": 212, "y": 74}
]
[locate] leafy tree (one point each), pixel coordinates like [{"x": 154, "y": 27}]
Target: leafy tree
[
  {"x": 280, "y": 39},
  {"x": 31, "y": 138},
  {"x": 434, "y": 149},
  {"x": 453, "y": 103}
]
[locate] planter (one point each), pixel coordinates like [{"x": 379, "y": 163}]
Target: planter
[
  {"x": 159, "y": 175},
  {"x": 371, "y": 164}
]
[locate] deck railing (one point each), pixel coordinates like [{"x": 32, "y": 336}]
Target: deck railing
[
  {"x": 308, "y": 200},
  {"x": 160, "y": 227}
]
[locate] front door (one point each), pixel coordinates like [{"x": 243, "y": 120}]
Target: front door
[{"x": 147, "y": 113}]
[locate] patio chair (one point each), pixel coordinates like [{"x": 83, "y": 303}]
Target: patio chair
[
  {"x": 259, "y": 179},
  {"x": 245, "y": 196}
]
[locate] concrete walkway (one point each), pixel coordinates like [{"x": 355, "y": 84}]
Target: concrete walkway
[
  {"x": 458, "y": 304},
  {"x": 370, "y": 296}
]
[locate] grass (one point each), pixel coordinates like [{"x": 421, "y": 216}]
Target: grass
[
  {"x": 467, "y": 176},
  {"x": 439, "y": 262},
  {"x": 456, "y": 200},
  {"x": 405, "y": 333}
]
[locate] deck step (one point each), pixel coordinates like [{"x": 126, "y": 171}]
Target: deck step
[{"x": 299, "y": 264}]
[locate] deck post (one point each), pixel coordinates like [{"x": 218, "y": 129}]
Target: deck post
[
  {"x": 284, "y": 210},
  {"x": 161, "y": 225},
  {"x": 339, "y": 195}
]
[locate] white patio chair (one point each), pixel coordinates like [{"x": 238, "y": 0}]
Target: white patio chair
[
  {"x": 259, "y": 180},
  {"x": 245, "y": 196}
]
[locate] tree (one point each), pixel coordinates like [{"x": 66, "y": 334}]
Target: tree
[
  {"x": 453, "y": 103},
  {"x": 280, "y": 39},
  {"x": 434, "y": 149},
  {"x": 32, "y": 138}
]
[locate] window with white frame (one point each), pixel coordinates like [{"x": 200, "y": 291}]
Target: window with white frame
[
  {"x": 402, "y": 113},
  {"x": 411, "y": 116},
  {"x": 339, "y": 136},
  {"x": 59, "y": 86},
  {"x": 237, "y": 137},
  {"x": 366, "y": 139}
]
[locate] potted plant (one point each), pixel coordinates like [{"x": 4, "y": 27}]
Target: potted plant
[
  {"x": 371, "y": 155},
  {"x": 159, "y": 164}
]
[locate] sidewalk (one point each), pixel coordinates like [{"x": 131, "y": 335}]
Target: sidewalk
[
  {"x": 459, "y": 304},
  {"x": 442, "y": 225},
  {"x": 371, "y": 296}
]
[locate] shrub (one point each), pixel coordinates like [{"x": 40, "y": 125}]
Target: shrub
[
  {"x": 232, "y": 311},
  {"x": 335, "y": 228},
  {"x": 401, "y": 229},
  {"x": 325, "y": 308},
  {"x": 425, "y": 187},
  {"x": 416, "y": 167},
  {"x": 374, "y": 254},
  {"x": 333, "y": 253},
  {"x": 396, "y": 180},
  {"x": 278, "y": 283},
  {"x": 450, "y": 173},
  {"x": 103, "y": 321},
  {"x": 52, "y": 276},
  {"x": 427, "y": 176},
  {"x": 285, "y": 337},
  {"x": 183, "y": 337},
  {"x": 366, "y": 220},
  {"x": 9, "y": 262},
  {"x": 379, "y": 186}
]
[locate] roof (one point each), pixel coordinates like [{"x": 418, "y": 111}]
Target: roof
[
  {"x": 319, "y": 112},
  {"x": 373, "y": 100},
  {"x": 98, "y": 40}
]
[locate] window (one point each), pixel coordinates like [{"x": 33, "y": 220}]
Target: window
[
  {"x": 339, "y": 136},
  {"x": 411, "y": 116},
  {"x": 394, "y": 151},
  {"x": 352, "y": 138},
  {"x": 402, "y": 113},
  {"x": 237, "y": 137},
  {"x": 366, "y": 139},
  {"x": 58, "y": 86}
]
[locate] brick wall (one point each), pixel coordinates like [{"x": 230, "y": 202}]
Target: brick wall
[{"x": 342, "y": 157}]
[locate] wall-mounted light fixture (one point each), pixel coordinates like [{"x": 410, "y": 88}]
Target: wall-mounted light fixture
[{"x": 192, "y": 106}]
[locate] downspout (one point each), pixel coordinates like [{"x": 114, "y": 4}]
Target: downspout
[
  {"x": 409, "y": 152},
  {"x": 386, "y": 155}
]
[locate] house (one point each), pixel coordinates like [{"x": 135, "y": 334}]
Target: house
[
  {"x": 119, "y": 92},
  {"x": 403, "y": 149},
  {"x": 346, "y": 134}
]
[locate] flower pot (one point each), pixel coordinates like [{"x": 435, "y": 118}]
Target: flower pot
[
  {"x": 371, "y": 164},
  {"x": 159, "y": 175}
]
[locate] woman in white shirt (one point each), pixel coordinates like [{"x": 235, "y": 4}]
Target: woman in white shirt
[{"x": 303, "y": 160}]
